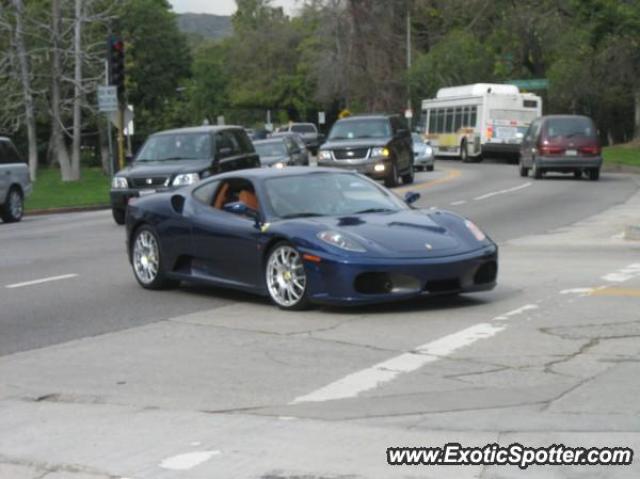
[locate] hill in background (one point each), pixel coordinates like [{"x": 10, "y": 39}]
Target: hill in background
[{"x": 205, "y": 25}]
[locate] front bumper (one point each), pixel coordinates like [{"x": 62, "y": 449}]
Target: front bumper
[
  {"x": 423, "y": 159},
  {"x": 365, "y": 167},
  {"x": 568, "y": 163},
  {"x": 341, "y": 281}
]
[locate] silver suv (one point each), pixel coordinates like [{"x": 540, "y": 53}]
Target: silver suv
[{"x": 15, "y": 182}]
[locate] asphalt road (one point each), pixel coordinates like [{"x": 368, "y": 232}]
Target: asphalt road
[{"x": 129, "y": 381}]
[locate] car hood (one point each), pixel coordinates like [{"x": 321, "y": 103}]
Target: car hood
[
  {"x": 401, "y": 234},
  {"x": 355, "y": 143},
  {"x": 164, "y": 168}
]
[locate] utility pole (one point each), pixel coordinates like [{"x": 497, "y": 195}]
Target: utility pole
[{"x": 409, "y": 107}]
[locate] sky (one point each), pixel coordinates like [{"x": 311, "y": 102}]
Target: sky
[{"x": 220, "y": 7}]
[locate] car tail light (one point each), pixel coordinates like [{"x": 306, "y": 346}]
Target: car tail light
[
  {"x": 547, "y": 150},
  {"x": 590, "y": 150},
  {"x": 489, "y": 132}
]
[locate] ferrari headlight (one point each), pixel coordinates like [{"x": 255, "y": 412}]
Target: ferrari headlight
[
  {"x": 119, "y": 183},
  {"x": 279, "y": 165},
  {"x": 380, "y": 152},
  {"x": 477, "y": 232},
  {"x": 324, "y": 155},
  {"x": 341, "y": 241},
  {"x": 186, "y": 179}
]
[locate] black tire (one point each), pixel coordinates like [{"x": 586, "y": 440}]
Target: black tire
[
  {"x": 430, "y": 168},
  {"x": 577, "y": 174},
  {"x": 303, "y": 302},
  {"x": 536, "y": 172},
  {"x": 464, "y": 152},
  {"x": 594, "y": 174},
  {"x": 524, "y": 171},
  {"x": 13, "y": 208},
  {"x": 159, "y": 280},
  {"x": 118, "y": 215},
  {"x": 392, "y": 179},
  {"x": 409, "y": 177}
]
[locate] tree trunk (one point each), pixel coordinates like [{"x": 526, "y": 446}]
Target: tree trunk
[
  {"x": 58, "y": 145},
  {"x": 636, "y": 123},
  {"x": 25, "y": 77},
  {"x": 77, "y": 97}
]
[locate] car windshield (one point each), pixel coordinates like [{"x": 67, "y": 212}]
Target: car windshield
[
  {"x": 177, "y": 146},
  {"x": 365, "y": 128},
  {"x": 570, "y": 128},
  {"x": 417, "y": 138},
  {"x": 272, "y": 148},
  {"x": 328, "y": 194},
  {"x": 303, "y": 128}
]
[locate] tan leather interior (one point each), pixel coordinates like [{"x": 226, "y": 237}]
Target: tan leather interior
[
  {"x": 221, "y": 197},
  {"x": 249, "y": 199}
]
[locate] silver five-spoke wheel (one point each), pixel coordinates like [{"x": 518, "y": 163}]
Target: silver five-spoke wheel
[
  {"x": 146, "y": 257},
  {"x": 286, "y": 278},
  {"x": 15, "y": 204}
]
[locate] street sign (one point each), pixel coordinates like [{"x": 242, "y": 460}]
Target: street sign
[
  {"x": 107, "y": 99},
  {"x": 530, "y": 84},
  {"x": 128, "y": 120},
  {"x": 321, "y": 118}
]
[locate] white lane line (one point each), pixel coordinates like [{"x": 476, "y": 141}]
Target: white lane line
[
  {"x": 502, "y": 192},
  {"x": 624, "y": 274},
  {"x": 353, "y": 384},
  {"x": 184, "y": 462},
  {"x": 41, "y": 280},
  {"x": 458, "y": 203},
  {"x": 516, "y": 312}
]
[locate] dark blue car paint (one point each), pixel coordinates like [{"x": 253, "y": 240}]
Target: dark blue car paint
[{"x": 203, "y": 244}]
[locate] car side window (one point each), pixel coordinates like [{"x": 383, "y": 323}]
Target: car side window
[
  {"x": 244, "y": 142},
  {"x": 4, "y": 158},
  {"x": 226, "y": 144},
  {"x": 235, "y": 190},
  {"x": 204, "y": 193}
]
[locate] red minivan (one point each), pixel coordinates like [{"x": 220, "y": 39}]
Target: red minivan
[{"x": 561, "y": 143}]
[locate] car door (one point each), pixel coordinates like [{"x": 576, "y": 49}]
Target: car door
[
  {"x": 234, "y": 151},
  {"x": 224, "y": 245},
  {"x": 5, "y": 171}
]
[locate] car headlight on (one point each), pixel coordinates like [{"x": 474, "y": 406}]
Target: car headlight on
[
  {"x": 428, "y": 150},
  {"x": 380, "y": 152},
  {"x": 119, "y": 183},
  {"x": 341, "y": 241},
  {"x": 477, "y": 232},
  {"x": 324, "y": 155},
  {"x": 278, "y": 164},
  {"x": 186, "y": 179}
]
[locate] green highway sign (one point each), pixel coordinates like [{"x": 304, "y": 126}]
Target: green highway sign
[{"x": 531, "y": 84}]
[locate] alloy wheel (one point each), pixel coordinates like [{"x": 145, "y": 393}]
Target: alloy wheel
[
  {"x": 286, "y": 279},
  {"x": 146, "y": 257},
  {"x": 15, "y": 204}
]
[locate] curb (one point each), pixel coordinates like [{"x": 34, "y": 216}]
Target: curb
[
  {"x": 70, "y": 209},
  {"x": 618, "y": 168}
]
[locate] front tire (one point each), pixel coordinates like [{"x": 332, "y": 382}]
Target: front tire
[
  {"x": 409, "y": 177},
  {"x": 392, "y": 178},
  {"x": 147, "y": 261},
  {"x": 430, "y": 168},
  {"x": 594, "y": 174},
  {"x": 524, "y": 171},
  {"x": 464, "y": 152},
  {"x": 286, "y": 278},
  {"x": 13, "y": 208},
  {"x": 118, "y": 215},
  {"x": 536, "y": 172}
]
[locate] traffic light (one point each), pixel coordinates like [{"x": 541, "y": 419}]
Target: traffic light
[{"x": 116, "y": 64}]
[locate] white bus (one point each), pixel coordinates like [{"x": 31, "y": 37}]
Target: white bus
[{"x": 480, "y": 119}]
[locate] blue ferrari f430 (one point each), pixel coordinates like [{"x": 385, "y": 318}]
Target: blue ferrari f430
[{"x": 306, "y": 235}]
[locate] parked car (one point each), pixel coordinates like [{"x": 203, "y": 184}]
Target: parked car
[
  {"x": 561, "y": 143},
  {"x": 379, "y": 146},
  {"x": 257, "y": 134},
  {"x": 279, "y": 152},
  {"x": 297, "y": 139},
  {"x": 308, "y": 132},
  {"x": 423, "y": 157},
  {"x": 15, "y": 182},
  {"x": 301, "y": 236},
  {"x": 176, "y": 158}
]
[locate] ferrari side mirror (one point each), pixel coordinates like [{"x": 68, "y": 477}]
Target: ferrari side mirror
[
  {"x": 241, "y": 209},
  {"x": 411, "y": 197}
]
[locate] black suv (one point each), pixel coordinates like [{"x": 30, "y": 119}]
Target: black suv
[
  {"x": 175, "y": 158},
  {"x": 379, "y": 146}
]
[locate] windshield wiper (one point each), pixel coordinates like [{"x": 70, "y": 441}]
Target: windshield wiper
[
  {"x": 170, "y": 158},
  {"x": 374, "y": 210},
  {"x": 306, "y": 214}
]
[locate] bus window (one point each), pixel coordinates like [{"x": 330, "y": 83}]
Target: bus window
[
  {"x": 457, "y": 122},
  {"x": 474, "y": 116},
  {"x": 449, "y": 121},
  {"x": 530, "y": 104},
  {"x": 465, "y": 117},
  {"x": 439, "y": 120},
  {"x": 423, "y": 121}
]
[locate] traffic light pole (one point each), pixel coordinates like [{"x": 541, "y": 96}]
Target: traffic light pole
[{"x": 121, "y": 157}]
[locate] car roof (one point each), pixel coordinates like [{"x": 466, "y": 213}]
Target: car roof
[
  {"x": 277, "y": 139},
  {"x": 198, "y": 129},
  {"x": 564, "y": 117},
  {"x": 264, "y": 173},
  {"x": 368, "y": 116}
]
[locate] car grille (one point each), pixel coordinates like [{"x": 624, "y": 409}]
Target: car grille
[
  {"x": 148, "y": 181},
  {"x": 350, "y": 153}
]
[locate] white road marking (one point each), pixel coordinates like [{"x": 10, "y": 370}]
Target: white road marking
[
  {"x": 184, "y": 462},
  {"x": 625, "y": 274},
  {"x": 502, "y": 192},
  {"x": 516, "y": 312},
  {"x": 458, "y": 203},
  {"x": 580, "y": 291},
  {"x": 353, "y": 384},
  {"x": 42, "y": 280}
]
